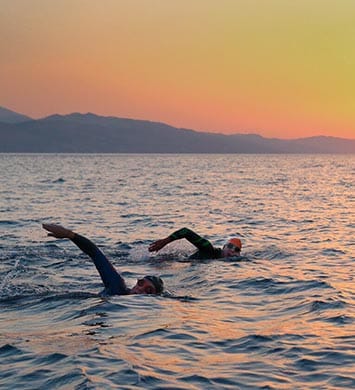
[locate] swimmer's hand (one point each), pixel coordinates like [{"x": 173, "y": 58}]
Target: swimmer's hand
[
  {"x": 157, "y": 245},
  {"x": 58, "y": 231}
]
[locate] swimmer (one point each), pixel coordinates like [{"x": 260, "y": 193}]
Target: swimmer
[
  {"x": 112, "y": 280},
  {"x": 205, "y": 250}
]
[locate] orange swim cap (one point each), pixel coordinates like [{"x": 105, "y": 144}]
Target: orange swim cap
[{"x": 236, "y": 242}]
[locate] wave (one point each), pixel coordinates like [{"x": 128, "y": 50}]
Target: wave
[
  {"x": 45, "y": 296},
  {"x": 275, "y": 286}
]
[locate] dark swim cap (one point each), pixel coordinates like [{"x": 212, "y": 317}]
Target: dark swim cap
[{"x": 157, "y": 282}]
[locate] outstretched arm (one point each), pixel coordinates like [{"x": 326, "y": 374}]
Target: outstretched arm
[
  {"x": 159, "y": 244},
  {"x": 58, "y": 231},
  {"x": 113, "y": 281},
  {"x": 200, "y": 243}
]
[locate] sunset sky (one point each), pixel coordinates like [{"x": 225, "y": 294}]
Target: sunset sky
[{"x": 279, "y": 68}]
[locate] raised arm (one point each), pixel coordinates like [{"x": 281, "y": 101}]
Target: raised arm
[
  {"x": 200, "y": 243},
  {"x": 113, "y": 281}
]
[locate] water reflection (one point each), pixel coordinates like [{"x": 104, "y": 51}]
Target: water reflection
[{"x": 283, "y": 319}]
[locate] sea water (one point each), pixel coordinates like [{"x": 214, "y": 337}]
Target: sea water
[{"x": 282, "y": 317}]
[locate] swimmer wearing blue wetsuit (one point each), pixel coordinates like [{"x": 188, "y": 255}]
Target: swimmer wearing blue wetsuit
[
  {"x": 205, "y": 250},
  {"x": 112, "y": 280}
]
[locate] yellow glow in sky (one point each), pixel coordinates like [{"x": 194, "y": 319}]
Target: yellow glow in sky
[{"x": 280, "y": 68}]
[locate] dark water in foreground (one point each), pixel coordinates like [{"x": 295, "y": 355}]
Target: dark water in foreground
[{"x": 284, "y": 319}]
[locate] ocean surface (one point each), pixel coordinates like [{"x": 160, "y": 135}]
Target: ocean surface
[{"x": 281, "y": 317}]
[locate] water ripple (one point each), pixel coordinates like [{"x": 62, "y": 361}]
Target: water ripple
[{"x": 278, "y": 318}]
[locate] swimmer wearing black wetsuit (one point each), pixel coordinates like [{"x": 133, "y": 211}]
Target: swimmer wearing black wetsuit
[
  {"x": 205, "y": 249},
  {"x": 112, "y": 280}
]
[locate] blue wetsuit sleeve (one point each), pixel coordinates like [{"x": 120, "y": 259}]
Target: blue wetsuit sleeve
[{"x": 113, "y": 281}]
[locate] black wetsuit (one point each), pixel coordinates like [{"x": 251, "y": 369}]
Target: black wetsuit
[
  {"x": 113, "y": 281},
  {"x": 205, "y": 249}
]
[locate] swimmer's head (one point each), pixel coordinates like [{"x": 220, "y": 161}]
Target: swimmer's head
[
  {"x": 232, "y": 248},
  {"x": 148, "y": 285},
  {"x": 157, "y": 282}
]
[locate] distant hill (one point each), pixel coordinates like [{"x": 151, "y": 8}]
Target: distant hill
[
  {"x": 8, "y": 116},
  {"x": 90, "y": 133}
]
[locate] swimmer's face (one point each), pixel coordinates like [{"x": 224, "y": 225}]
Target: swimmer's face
[
  {"x": 230, "y": 250},
  {"x": 143, "y": 286}
]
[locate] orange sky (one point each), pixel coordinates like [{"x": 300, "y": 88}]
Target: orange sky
[{"x": 278, "y": 68}]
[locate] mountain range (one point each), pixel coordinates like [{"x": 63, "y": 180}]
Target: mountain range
[
  {"x": 9, "y": 116},
  {"x": 90, "y": 133}
]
